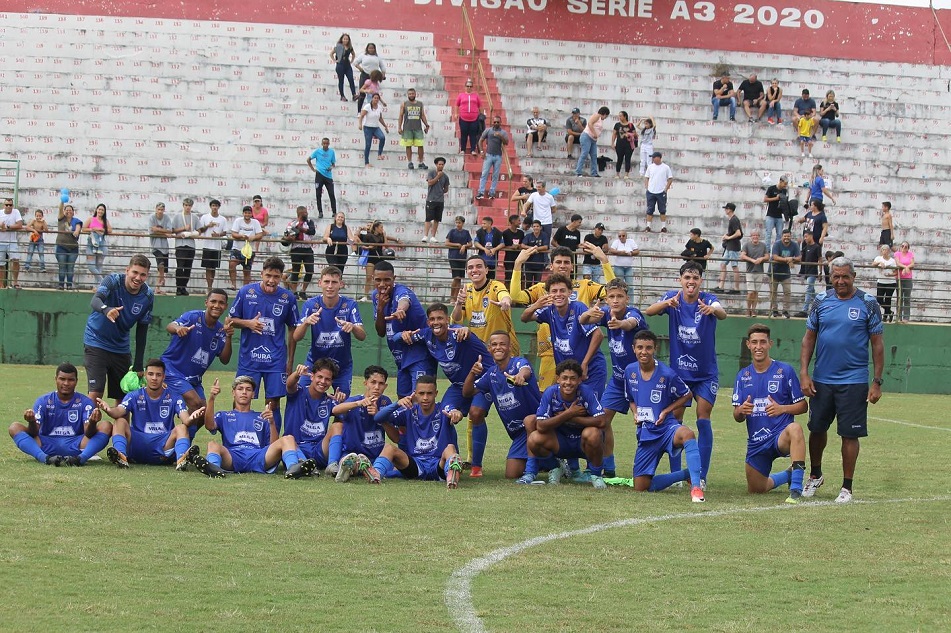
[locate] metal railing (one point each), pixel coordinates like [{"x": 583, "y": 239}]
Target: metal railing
[{"x": 10, "y": 179}]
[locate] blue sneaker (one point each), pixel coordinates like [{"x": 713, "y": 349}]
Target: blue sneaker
[
  {"x": 555, "y": 474},
  {"x": 527, "y": 478},
  {"x": 581, "y": 477}
]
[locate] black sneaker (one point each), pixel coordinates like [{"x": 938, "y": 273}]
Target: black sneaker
[
  {"x": 54, "y": 460},
  {"x": 663, "y": 229},
  {"x": 733, "y": 292},
  {"x": 72, "y": 460},
  {"x": 480, "y": 195},
  {"x": 422, "y": 166},
  {"x": 785, "y": 314},
  {"x": 800, "y": 315},
  {"x": 718, "y": 289},
  {"x": 774, "y": 315}
]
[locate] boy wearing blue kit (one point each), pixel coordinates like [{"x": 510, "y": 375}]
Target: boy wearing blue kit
[
  {"x": 356, "y": 434},
  {"x": 308, "y": 413}
]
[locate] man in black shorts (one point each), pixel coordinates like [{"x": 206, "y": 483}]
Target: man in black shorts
[
  {"x": 213, "y": 226},
  {"x": 438, "y": 183}
]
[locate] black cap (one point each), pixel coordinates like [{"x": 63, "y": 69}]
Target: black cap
[
  {"x": 730, "y": 206},
  {"x": 657, "y": 155},
  {"x": 575, "y": 111},
  {"x": 599, "y": 225}
]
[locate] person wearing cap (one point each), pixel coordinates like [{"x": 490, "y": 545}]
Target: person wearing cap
[
  {"x": 537, "y": 130},
  {"x": 574, "y": 126},
  {"x": 731, "y": 250},
  {"x": 590, "y": 266},
  {"x": 805, "y": 106},
  {"x": 657, "y": 180}
]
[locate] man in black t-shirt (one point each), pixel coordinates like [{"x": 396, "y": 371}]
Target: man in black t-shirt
[
  {"x": 590, "y": 266},
  {"x": 512, "y": 239},
  {"x": 697, "y": 249},
  {"x": 753, "y": 95},
  {"x": 568, "y": 236},
  {"x": 810, "y": 254},
  {"x": 723, "y": 94},
  {"x": 732, "y": 243},
  {"x": 776, "y": 199}
]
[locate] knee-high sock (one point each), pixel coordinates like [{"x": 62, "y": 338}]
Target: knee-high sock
[
  {"x": 181, "y": 447},
  {"x": 781, "y": 478},
  {"x": 95, "y": 444},
  {"x": 28, "y": 445},
  {"x": 676, "y": 462},
  {"x": 289, "y": 458},
  {"x": 383, "y": 465},
  {"x": 608, "y": 463},
  {"x": 478, "y": 436},
  {"x": 531, "y": 465},
  {"x": 798, "y": 472},
  {"x": 335, "y": 449},
  {"x": 692, "y": 456},
  {"x": 214, "y": 458},
  {"x": 120, "y": 443},
  {"x": 666, "y": 480},
  {"x": 705, "y": 443}
]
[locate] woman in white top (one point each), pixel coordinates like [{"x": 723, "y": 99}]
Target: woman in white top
[
  {"x": 647, "y": 130},
  {"x": 366, "y": 64},
  {"x": 623, "y": 251},
  {"x": 589, "y": 141},
  {"x": 887, "y": 269},
  {"x": 370, "y": 121}
]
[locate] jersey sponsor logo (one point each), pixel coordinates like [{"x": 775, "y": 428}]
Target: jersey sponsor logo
[
  {"x": 688, "y": 334},
  {"x": 73, "y": 416},
  {"x": 164, "y": 411},
  {"x": 773, "y": 386},
  {"x": 372, "y": 439},
  {"x": 329, "y": 339},
  {"x": 616, "y": 346},
  {"x": 258, "y": 424},
  {"x": 478, "y": 319},
  {"x": 759, "y": 406},
  {"x": 314, "y": 427},
  {"x": 656, "y": 396},
  {"x": 451, "y": 369},
  {"x": 62, "y": 431},
  {"x": 261, "y": 354},
  {"x": 268, "y": 326},
  {"x": 389, "y": 329},
  {"x": 761, "y": 435},
  {"x": 136, "y": 308},
  {"x": 689, "y": 363},
  {"x": 201, "y": 357},
  {"x": 425, "y": 444},
  {"x": 506, "y": 401},
  {"x": 246, "y": 437},
  {"x": 154, "y": 428},
  {"x": 645, "y": 414},
  {"x": 563, "y": 345},
  {"x": 854, "y": 314}
]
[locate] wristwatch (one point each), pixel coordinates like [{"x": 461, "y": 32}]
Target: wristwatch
[{"x": 878, "y": 381}]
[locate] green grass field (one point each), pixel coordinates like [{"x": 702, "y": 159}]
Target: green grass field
[{"x": 95, "y": 548}]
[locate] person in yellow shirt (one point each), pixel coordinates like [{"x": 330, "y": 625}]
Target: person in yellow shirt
[{"x": 484, "y": 306}]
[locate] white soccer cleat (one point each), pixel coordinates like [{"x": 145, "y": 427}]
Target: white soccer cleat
[
  {"x": 812, "y": 484},
  {"x": 845, "y": 496}
]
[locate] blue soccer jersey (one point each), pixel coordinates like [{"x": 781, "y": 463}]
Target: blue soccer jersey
[
  {"x": 404, "y": 355},
  {"x": 693, "y": 345},
  {"x": 653, "y": 395},
  {"x": 513, "y": 403},
  {"x": 243, "y": 429},
  {"x": 621, "y": 342},
  {"x": 327, "y": 340},
  {"x": 102, "y": 333},
  {"x": 843, "y": 328},
  {"x": 426, "y": 436},
  {"x": 267, "y": 351},
  {"x": 62, "y": 419},
  {"x": 455, "y": 357},
  {"x": 307, "y": 418},
  {"x": 153, "y": 417},
  {"x": 188, "y": 357},
  {"x": 360, "y": 433},
  {"x": 778, "y": 382},
  {"x": 552, "y": 404}
]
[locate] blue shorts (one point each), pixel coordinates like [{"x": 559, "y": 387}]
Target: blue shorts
[
  {"x": 68, "y": 445},
  {"x": 149, "y": 448},
  {"x": 568, "y": 445},
  {"x": 519, "y": 448},
  {"x": 596, "y": 381},
  {"x": 406, "y": 377},
  {"x": 429, "y": 469},
  {"x": 314, "y": 451},
  {"x": 706, "y": 389},
  {"x": 182, "y": 386},
  {"x": 454, "y": 400},
  {"x": 250, "y": 460},
  {"x": 275, "y": 382},
  {"x": 805, "y": 139},
  {"x": 732, "y": 258},
  {"x": 648, "y": 454},
  {"x": 762, "y": 457},
  {"x": 615, "y": 398}
]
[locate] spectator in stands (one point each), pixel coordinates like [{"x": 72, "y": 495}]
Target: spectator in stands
[
  {"x": 732, "y": 243},
  {"x": 247, "y": 235},
  {"x": 887, "y": 235},
  {"x": 300, "y": 234},
  {"x": 466, "y": 110},
  {"x": 589, "y": 141},
  {"x": 777, "y": 196},
  {"x": 521, "y": 196},
  {"x": 370, "y": 121},
  {"x": 260, "y": 213},
  {"x": 574, "y": 127},
  {"x": 697, "y": 249},
  {"x": 723, "y": 94},
  {"x": 343, "y": 56},
  {"x": 535, "y": 264},
  {"x": 622, "y": 251},
  {"x": 536, "y": 130},
  {"x": 657, "y": 181},
  {"x": 814, "y": 221},
  {"x": 906, "y": 262},
  {"x": 826, "y": 273},
  {"x": 810, "y": 257},
  {"x": 185, "y": 228},
  {"x": 774, "y": 106},
  {"x": 68, "y": 228},
  {"x": 213, "y": 226},
  {"x": 817, "y": 185},
  {"x": 338, "y": 237},
  {"x": 371, "y": 87},
  {"x": 458, "y": 240},
  {"x": 488, "y": 242},
  {"x": 37, "y": 245},
  {"x": 512, "y": 242},
  {"x": 647, "y": 133},
  {"x": 829, "y": 116},
  {"x": 805, "y": 106},
  {"x": 366, "y": 64},
  {"x": 322, "y": 162},
  {"x": 590, "y": 266},
  {"x": 492, "y": 142},
  {"x": 437, "y": 183},
  {"x": 569, "y": 235},
  {"x": 160, "y": 227},
  {"x": 11, "y": 222},
  {"x": 785, "y": 253},
  {"x": 542, "y": 206},
  {"x": 624, "y": 140},
  {"x": 755, "y": 253},
  {"x": 372, "y": 238},
  {"x": 887, "y": 271},
  {"x": 412, "y": 126},
  {"x": 754, "y": 97}
]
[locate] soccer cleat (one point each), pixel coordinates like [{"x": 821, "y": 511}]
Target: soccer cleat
[
  {"x": 455, "y": 469},
  {"x": 696, "y": 495},
  {"x": 332, "y": 469},
  {"x": 703, "y": 484},
  {"x": 580, "y": 477},
  {"x": 54, "y": 460},
  {"x": 72, "y": 460},
  {"x": 526, "y": 478},
  {"x": 301, "y": 469},
  {"x": 466, "y": 465},
  {"x": 556, "y": 473},
  {"x": 845, "y": 496},
  {"x": 812, "y": 484},
  {"x": 181, "y": 464},
  {"x": 371, "y": 474},
  {"x": 598, "y": 482},
  {"x": 794, "y": 497},
  {"x": 476, "y": 471},
  {"x": 117, "y": 458},
  {"x": 348, "y": 466}
]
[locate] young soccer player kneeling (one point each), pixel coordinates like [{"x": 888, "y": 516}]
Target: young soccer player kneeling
[
  {"x": 430, "y": 437},
  {"x": 766, "y": 396}
]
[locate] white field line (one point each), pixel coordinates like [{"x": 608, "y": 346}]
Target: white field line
[{"x": 917, "y": 426}]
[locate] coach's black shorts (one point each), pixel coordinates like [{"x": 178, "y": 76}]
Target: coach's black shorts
[
  {"x": 102, "y": 365},
  {"x": 210, "y": 259},
  {"x": 847, "y": 404},
  {"x": 434, "y": 211}
]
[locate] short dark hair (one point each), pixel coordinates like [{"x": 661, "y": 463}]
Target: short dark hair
[
  {"x": 333, "y": 271},
  {"x": 616, "y": 284},
  {"x": 67, "y": 368},
  {"x": 696, "y": 231},
  {"x": 691, "y": 267},
  {"x": 473, "y": 256},
  {"x": 821, "y": 205},
  {"x": 646, "y": 335},
  {"x": 514, "y": 216},
  {"x": 155, "y": 362},
  {"x": 140, "y": 260},
  {"x": 214, "y": 202},
  {"x": 426, "y": 379},
  {"x": 562, "y": 251},
  {"x": 326, "y": 363},
  {"x": 557, "y": 278},
  {"x": 758, "y": 328},
  {"x": 436, "y": 307},
  {"x": 439, "y": 159},
  {"x": 217, "y": 291},
  {"x": 488, "y": 219},
  {"x": 576, "y": 218},
  {"x": 569, "y": 364},
  {"x": 384, "y": 267},
  {"x": 604, "y": 111},
  {"x": 273, "y": 263},
  {"x": 887, "y": 205},
  {"x": 375, "y": 369}
]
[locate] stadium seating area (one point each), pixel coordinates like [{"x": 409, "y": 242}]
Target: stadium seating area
[{"x": 131, "y": 112}]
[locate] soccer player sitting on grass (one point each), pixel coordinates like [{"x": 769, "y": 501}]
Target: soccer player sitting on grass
[
  {"x": 430, "y": 437},
  {"x": 64, "y": 428},
  {"x": 655, "y": 392},
  {"x": 767, "y": 396},
  {"x": 307, "y": 415},
  {"x": 144, "y": 430},
  {"x": 355, "y": 434},
  {"x": 569, "y": 423},
  {"x": 249, "y": 440}
]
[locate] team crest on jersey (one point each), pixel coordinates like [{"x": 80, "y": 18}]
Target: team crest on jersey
[
  {"x": 656, "y": 396},
  {"x": 164, "y": 411},
  {"x": 436, "y": 427},
  {"x": 697, "y": 316},
  {"x": 570, "y": 326},
  {"x": 485, "y": 301},
  {"x": 277, "y": 309},
  {"x": 214, "y": 344},
  {"x": 258, "y": 424},
  {"x": 450, "y": 352},
  {"x": 854, "y": 314},
  {"x": 323, "y": 411},
  {"x": 136, "y": 308},
  {"x": 73, "y": 416},
  {"x": 773, "y": 386}
]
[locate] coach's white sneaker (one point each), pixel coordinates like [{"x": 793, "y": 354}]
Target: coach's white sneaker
[
  {"x": 845, "y": 496},
  {"x": 812, "y": 484}
]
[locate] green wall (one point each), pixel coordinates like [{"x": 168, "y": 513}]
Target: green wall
[{"x": 46, "y": 328}]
